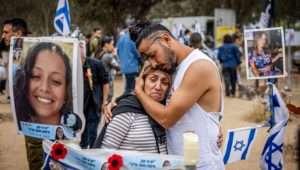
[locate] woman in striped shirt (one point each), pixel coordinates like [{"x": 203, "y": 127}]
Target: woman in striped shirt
[{"x": 131, "y": 127}]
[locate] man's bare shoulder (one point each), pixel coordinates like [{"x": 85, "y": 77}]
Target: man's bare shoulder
[
  {"x": 202, "y": 69},
  {"x": 199, "y": 77}
]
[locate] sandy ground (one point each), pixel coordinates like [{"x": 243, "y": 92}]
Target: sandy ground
[{"x": 238, "y": 113}]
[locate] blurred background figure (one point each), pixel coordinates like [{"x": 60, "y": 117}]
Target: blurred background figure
[
  {"x": 88, "y": 38},
  {"x": 186, "y": 36},
  {"x": 95, "y": 40},
  {"x": 109, "y": 58},
  {"x": 95, "y": 92},
  {"x": 14, "y": 27},
  {"x": 229, "y": 57},
  {"x": 130, "y": 61},
  {"x": 238, "y": 41},
  {"x": 196, "y": 42}
]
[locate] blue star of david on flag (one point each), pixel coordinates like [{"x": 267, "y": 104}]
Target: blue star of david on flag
[
  {"x": 272, "y": 157},
  {"x": 238, "y": 144},
  {"x": 62, "y": 20}
]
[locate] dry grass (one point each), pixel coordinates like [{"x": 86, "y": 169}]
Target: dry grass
[
  {"x": 5, "y": 117},
  {"x": 258, "y": 112}
]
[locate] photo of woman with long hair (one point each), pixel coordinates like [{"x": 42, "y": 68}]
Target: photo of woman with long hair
[
  {"x": 42, "y": 85},
  {"x": 265, "y": 54}
]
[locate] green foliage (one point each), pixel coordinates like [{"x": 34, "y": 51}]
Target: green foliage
[
  {"x": 287, "y": 12},
  {"x": 244, "y": 9},
  {"x": 38, "y": 14},
  {"x": 114, "y": 14}
]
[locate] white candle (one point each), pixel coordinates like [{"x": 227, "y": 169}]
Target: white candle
[{"x": 191, "y": 148}]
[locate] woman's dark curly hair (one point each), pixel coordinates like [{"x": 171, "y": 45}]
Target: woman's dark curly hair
[{"x": 24, "y": 110}]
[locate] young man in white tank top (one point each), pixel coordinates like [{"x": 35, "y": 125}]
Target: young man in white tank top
[{"x": 195, "y": 100}]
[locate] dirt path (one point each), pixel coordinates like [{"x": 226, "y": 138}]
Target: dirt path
[{"x": 237, "y": 114}]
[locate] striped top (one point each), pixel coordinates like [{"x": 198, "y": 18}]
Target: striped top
[{"x": 131, "y": 131}]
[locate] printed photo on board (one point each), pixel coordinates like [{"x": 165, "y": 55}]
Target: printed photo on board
[
  {"x": 265, "y": 55},
  {"x": 41, "y": 72}
]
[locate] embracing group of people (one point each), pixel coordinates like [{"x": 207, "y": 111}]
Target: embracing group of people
[{"x": 179, "y": 89}]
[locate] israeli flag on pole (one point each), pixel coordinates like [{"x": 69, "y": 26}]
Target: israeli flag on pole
[
  {"x": 62, "y": 19},
  {"x": 266, "y": 15},
  {"x": 238, "y": 144},
  {"x": 272, "y": 157}
]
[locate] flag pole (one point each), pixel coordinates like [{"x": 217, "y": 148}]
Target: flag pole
[
  {"x": 271, "y": 104},
  {"x": 271, "y": 81}
]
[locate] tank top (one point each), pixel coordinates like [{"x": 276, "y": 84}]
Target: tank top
[{"x": 196, "y": 119}]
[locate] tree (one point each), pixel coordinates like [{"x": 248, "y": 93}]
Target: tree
[
  {"x": 35, "y": 12},
  {"x": 110, "y": 14},
  {"x": 243, "y": 9},
  {"x": 247, "y": 11},
  {"x": 113, "y": 14}
]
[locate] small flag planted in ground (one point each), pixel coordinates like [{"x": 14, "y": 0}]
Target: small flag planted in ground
[
  {"x": 272, "y": 157},
  {"x": 238, "y": 144}
]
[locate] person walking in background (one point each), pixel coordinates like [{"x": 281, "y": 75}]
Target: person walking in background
[
  {"x": 108, "y": 57},
  {"x": 4, "y": 50},
  {"x": 129, "y": 61},
  {"x": 87, "y": 39},
  {"x": 4, "y": 55},
  {"x": 238, "y": 41},
  {"x": 197, "y": 43},
  {"x": 229, "y": 57},
  {"x": 15, "y": 27},
  {"x": 96, "y": 90},
  {"x": 95, "y": 40},
  {"x": 187, "y": 36}
]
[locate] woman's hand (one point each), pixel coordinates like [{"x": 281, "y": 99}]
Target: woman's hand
[
  {"x": 220, "y": 138},
  {"x": 255, "y": 71},
  {"x": 139, "y": 85},
  {"x": 107, "y": 108}
]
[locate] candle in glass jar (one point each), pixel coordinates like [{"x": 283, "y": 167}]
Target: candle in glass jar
[{"x": 191, "y": 148}]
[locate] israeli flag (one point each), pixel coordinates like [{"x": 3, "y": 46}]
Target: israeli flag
[
  {"x": 272, "y": 157},
  {"x": 238, "y": 144},
  {"x": 62, "y": 19},
  {"x": 266, "y": 15}
]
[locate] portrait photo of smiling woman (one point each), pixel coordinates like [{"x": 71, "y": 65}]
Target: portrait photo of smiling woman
[{"x": 42, "y": 87}]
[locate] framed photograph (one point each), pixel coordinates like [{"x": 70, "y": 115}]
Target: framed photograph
[
  {"x": 265, "y": 53},
  {"x": 44, "y": 90}
]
